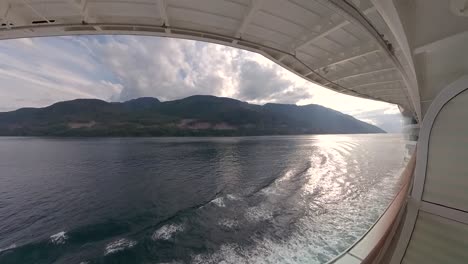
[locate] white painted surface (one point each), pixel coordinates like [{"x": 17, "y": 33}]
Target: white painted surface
[
  {"x": 348, "y": 259},
  {"x": 437, "y": 240},
  {"x": 439, "y": 188},
  {"x": 447, "y": 171}
]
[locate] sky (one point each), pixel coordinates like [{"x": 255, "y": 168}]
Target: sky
[{"x": 38, "y": 72}]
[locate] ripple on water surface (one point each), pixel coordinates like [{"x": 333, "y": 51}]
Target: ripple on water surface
[{"x": 246, "y": 200}]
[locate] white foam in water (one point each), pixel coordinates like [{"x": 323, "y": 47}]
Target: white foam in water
[
  {"x": 12, "y": 246},
  {"x": 258, "y": 213},
  {"x": 119, "y": 245},
  {"x": 167, "y": 231},
  {"x": 59, "y": 238},
  {"x": 233, "y": 197},
  {"x": 226, "y": 254},
  {"x": 278, "y": 185},
  {"x": 304, "y": 246},
  {"x": 327, "y": 228},
  {"x": 286, "y": 176},
  {"x": 219, "y": 202},
  {"x": 229, "y": 223}
]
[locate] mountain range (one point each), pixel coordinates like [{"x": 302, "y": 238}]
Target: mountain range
[{"x": 198, "y": 115}]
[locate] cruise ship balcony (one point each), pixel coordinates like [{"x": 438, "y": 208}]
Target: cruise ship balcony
[{"x": 410, "y": 53}]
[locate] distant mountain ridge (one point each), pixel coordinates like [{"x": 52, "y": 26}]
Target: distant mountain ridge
[{"x": 198, "y": 115}]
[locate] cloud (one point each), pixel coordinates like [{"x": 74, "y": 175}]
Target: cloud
[
  {"x": 389, "y": 119},
  {"x": 41, "y": 71},
  {"x": 166, "y": 68},
  {"x": 172, "y": 69},
  {"x": 38, "y": 72},
  {"x": 263, "y": 83},
  {"x": 392, "y": 111},
  {"x": 258, "y": 82}
]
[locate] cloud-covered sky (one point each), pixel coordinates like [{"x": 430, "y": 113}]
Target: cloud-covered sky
[{"x": 41, "y": 71}]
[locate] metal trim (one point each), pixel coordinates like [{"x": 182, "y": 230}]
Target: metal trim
[{"x": 445, "y": 212}]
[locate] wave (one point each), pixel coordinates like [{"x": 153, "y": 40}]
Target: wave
[
  {"x": 272, "y": 186},
  {"x": 302, "y": 246},
  {"x": 191, "y": 208},
  {"x": 303, "y": 215},
  {"x": 258, "y": 213},
  {"x": 59, "y": 238},
  {"x": 219, "y": 201},
  {"x": 119, "y": 245},
  {"x": 12, "y": 246},
  {"x": 233, "y": 197},
  {"x": 166, "y": 232},
  {"x": 228, "y": 223}
]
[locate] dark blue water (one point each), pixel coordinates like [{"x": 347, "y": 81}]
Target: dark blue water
[{"x": 301, "y": 199}]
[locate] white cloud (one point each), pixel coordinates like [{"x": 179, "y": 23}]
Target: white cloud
[
  {"x": 166, "y": 68},
  {"x": 392, "y": 111},
  {"x": 38, "y": 72}
]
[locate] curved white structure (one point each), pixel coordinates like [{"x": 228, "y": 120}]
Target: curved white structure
[
  {"x": 399, "y": 51},
  {"x": 438, "y": 204}
]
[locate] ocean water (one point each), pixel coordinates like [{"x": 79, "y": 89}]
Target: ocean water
[{"x": 288, "y": 199}]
